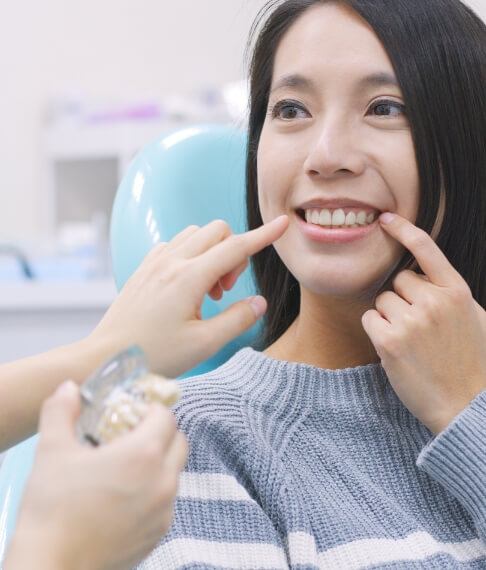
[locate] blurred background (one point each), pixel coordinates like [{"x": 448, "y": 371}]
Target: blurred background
[{"x": 85, "y": 85}]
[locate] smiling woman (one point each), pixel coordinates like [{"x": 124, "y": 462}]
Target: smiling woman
[
  {"x": 352, "y": 436},
  {"x": 410, "y": 146}
]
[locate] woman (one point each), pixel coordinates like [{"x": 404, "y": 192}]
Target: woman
[
  {"x": 107, "y": 507},
  {"x": 352, "y": 436}
]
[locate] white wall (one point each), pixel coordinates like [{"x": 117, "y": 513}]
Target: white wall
[{"x": 107, "y": 48}]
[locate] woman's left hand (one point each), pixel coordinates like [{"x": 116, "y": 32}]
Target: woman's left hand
[{"x": 430, "y": 333}]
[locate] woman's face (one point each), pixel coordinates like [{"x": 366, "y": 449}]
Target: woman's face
[{"x": 337, "y": 137}]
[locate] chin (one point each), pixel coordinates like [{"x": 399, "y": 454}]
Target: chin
[{"x": 351, "y": 284}]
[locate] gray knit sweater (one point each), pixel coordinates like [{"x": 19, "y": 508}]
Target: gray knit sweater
[{"x": 293, "y": 466}]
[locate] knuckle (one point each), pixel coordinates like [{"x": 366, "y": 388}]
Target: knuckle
[
  {"x": 367, "y": 314},
  {"x": 186, "y": 232},
  {"x": 382, "y": 298},
  {"x": 409, "y": 320},
  {"x": 432, "y": 307},
  {"x": 401, "y": 276},
  {"x": 221, "y": 225}
]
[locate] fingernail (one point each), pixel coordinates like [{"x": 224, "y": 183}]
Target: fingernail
[
  {"x": 387, "y": 217},
  {"x": 258, "y": 304}
]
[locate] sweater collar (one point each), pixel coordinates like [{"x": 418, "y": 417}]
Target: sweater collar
[{"x": 268, "y": 379}]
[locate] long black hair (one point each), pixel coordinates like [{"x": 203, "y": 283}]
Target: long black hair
[{"x": 438, "y": 51}]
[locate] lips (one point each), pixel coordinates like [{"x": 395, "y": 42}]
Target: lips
[{"x": 336, "y": 203}]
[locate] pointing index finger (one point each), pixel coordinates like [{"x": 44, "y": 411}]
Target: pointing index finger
[
  {"x": 232, "y": 252},
  {"x": 429, "y": 256}
]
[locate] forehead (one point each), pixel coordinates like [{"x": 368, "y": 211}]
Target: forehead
[{"x": 330, "y": 41}]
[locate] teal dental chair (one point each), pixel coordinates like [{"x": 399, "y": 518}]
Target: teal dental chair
[{"x": 188, "y": 176}]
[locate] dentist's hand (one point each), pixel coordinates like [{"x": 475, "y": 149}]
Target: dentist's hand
[
  {"x": 160, "y": 306},
  {"x": 97, "y": 508},
  {"x": 159, "y": 309}
]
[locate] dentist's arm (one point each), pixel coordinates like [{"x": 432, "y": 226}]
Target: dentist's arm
[{"x": 25, "y": 384}]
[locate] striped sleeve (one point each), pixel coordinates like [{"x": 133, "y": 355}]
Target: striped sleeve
[
  {"x": 456, "y": 458},
  {"x": 217, "y": 525}
]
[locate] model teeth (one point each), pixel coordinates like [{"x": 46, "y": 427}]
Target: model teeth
[{"x": 337, "y": 218}]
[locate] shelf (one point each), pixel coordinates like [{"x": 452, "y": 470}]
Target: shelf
[{"x": 56, "y": 296}]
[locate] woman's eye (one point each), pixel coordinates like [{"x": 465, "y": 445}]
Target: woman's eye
[
  {"x": 286, "y": 110},
  {"x": 385, "y": 109}
]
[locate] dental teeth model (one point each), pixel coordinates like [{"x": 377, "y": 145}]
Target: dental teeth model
[
  {"x": 116, "y": 398},
  {"x": 125, "y": 409}
]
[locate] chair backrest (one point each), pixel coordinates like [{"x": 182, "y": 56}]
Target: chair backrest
[
  {"x": 15, "y": 471},
  {"x": 188, "y": 176}
]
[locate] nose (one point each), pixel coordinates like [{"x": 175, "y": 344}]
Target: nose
[{"x": 334, "y": 151}]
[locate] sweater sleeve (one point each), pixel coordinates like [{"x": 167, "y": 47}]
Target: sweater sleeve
[
  {"x": 218, "y": 521},
  {"x": 456, "y": 458}
]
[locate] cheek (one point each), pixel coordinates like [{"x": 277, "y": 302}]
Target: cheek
[
  {"x": 399, "y": 170},
  {"x": 277, "y": 172}
]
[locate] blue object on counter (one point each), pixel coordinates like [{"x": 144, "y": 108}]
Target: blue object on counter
[
  {"x": 190, "y": 176},
  {"x": 18, "y": 258},
  {"x": 74, "y": 267}
]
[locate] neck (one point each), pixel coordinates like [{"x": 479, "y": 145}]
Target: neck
[{"x": 327, "y": 334}]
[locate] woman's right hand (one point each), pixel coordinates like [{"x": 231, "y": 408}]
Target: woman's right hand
[
  {"x": 97, "y": 508},
  {"x": 159, "y": 307}
]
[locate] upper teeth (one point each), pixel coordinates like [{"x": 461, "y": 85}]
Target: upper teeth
[{"x": 339, "y": 218}]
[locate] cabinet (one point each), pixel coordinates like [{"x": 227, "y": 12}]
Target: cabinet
[{"x": 84, "y": 164}]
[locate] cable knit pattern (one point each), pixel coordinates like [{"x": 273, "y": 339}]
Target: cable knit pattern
[{"x": 293, "y": 466}]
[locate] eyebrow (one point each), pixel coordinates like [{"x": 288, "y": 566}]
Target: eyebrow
[{"x": 296, "y": 81}]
